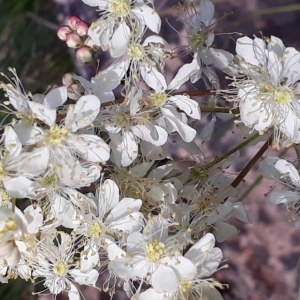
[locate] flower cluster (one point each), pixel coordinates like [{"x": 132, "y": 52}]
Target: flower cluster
[{"x": 100, "y": 186}]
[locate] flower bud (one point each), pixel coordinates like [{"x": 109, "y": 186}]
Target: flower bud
[
  {"x": 82, "y": 28},
  {"x": 85, "y": 55},
  {"x": 88, "y": 42},
  {"x": 75, "y": 91},
  {"x": 72, "y": 21},
  {"x": 67, "y": 79},
  {"x": 63, "y": 31},
  {"x": 73, "y": 40}
]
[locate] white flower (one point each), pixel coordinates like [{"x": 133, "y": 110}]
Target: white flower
[
  {"x": 206, "y": 258},
  {"x": 63, "y": 140},
  {"x": 17, "y": 167},
  {"x": 268, "y": 92},
  {"x": 113, "y": 217},
  {"x": 55, "y": 261},
  {"x": 153, "y": 256},
  {"x": 119, "y": 20},
  {"x": 126, "y": 131},
  {"x": 12, "y": 226},
  {"x": 290, "y": 177}
]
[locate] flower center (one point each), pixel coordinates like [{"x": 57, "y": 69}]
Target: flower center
[
  {"x": 56, "y": 135},
  {"x": 158, "y": 99},
  {"x": 60, "y": 268},
  {"x": 95, "y": 230},
  {"x": 9, "y": 225},
  {"x": 185, "y": 286},
  {"x": 283, "y": 96},
  {"x": 5, "y": 197},
  {"x": 119, "y": 7},
  {"x": 3, "y": 173},
  {"x": 122, "y": 120},
  {"x": 49, "y": 181},
  {"x": 154, "y": 250},
  {"x": 135, "y": 52},
  {"x": 197, "y": 40}
]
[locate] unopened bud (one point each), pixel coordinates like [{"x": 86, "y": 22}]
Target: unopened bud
[
  {"x": 82, "y": 28},
  {"x": 72, "y": 21},
  {"x": 75, "y": 91},
  {"x": 63, "y": 31},
  {"x": 85, "y": 55},
  {"x": 73, "y": 40},
  {"x": 88, "y": 42},
  {"x": 67, "y": 79}
]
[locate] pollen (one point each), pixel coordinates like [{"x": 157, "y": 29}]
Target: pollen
[
  {"x": 158, "y": 99},
  {"x": 122, "y": 120},
  {"x": 283, "y": 96},
  {"x": 197, "y": 40},
  {"x": 60, "y": 268},
  {"x": 9, "y": 225},
  {"x": 120, "y": 8},
  {"x": 185, "y": 286},
  {"x": 95, "y": 230},
  {"x": 56, "y": 135},
  {"x": 135, "y": 52},
  {"x": 154, "y": 250},
  {"x": 49, "y": 181},
  {"x": 3, "y": 172}
]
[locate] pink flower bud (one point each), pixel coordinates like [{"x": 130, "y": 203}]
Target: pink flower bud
[
  {"x": 63, "y": 31},
  {"x": 82, "y": 28},
  {"x": 67, "y": 79},
  {"x": 72, "y": 21},
  {"x": 73, "y": 40},
  {"x": 85, "y": 55}
]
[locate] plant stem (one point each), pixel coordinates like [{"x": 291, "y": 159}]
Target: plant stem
[
  {"x": 252, "y": 162},
  {"x": 233, "y": 150}
]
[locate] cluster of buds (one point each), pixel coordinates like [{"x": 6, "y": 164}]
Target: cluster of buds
[
  {"x": 75, "y": 35},
  {"x": 74, "y": 89}
]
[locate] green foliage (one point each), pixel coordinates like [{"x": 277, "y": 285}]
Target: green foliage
[{"x": 28, "y": 42}]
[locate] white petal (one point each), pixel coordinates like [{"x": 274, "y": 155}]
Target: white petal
[
  {"x": 244, "y": 48},
  {"x": 150, "y": 133},
  {"x": 83, "y": 113},
  {"x": 89, "y": 278},
  {"x": 223, "y": 231},
  {"x": 159, "y": 282},
  {"x": 18, "y": 187},
  {"x": 207, "y": 11},
  {"x": 34, "y": 217},
  {"x": 120, "y": 40},
  {"x": 184, "y": 74},
  {"x": 153, "y": 77},
  {"x": 125, "y": 207},
  {"x": 186, "y": 132},
  {"x": 89, "y": 258},
  {"x": 149, "y": 16},
  {"x": 285, "y": 197},
  {"x": 90, "y": 147},
  {"x": 287, "y": 169},
  {"x": 110, "y": 78},
  {"x": 185, "y": 103},
  {"x": 12, "y": 142},
  {"x": 108, "y": 196},
  {"x": 124, "y": 148},
  {"x": 56, "y": 97},
  {"x": 114, "y": 251},
  {"x": 151, "y": 294},
  {"x": 43, "y": 113}
]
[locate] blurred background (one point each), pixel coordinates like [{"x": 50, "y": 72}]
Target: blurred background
[{"x": 263, "y": 258}]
